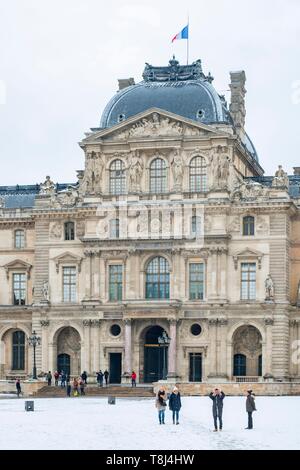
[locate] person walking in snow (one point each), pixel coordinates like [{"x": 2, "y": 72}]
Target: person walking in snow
[
  {"x": 49, "y": 378},
  {"x": 100, "y": 378},
  {"x": 56, "y": 377},
  {"x": 82, "y": 385},
  {"x": 18, "y": 387},
  {"x": 161, "y": 404},
  {"x": 133, "y": 379},
  {"x": 84, "y": 377},
  {"x": 217, "y": 396},
  {"x": 175, "y": 404},
  {"x": 250, "y": 407},
  {"x": 69, "y": 389},
  {"x": 106, "y": 375}
]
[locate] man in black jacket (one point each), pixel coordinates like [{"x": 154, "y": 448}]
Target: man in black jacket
[
  {"x": 217, "y": 396},
  {"x": 250, "y": 407}
]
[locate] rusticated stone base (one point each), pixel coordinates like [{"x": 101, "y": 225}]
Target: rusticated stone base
[{"x": 233, "y": 388}]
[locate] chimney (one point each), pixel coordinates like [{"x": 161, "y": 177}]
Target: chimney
[
  {"x": 125, "y": 82},
  {"x": 237, "y": 105},
  {"x": 297, "y": 170}
]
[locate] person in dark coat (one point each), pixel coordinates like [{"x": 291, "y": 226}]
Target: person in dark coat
[
  {"x": 250, "y": 407},
  {"x": 82, "y": 385},
  {"x": 217, "y": 396},
  {"x": 18, "y": 387},
  {"x": 175, "y": 404},
  {"x": 84, "y": 377},
  {"x": 49, "y": 378},
  {"x": 106, "y": 375},
  {"x": 69, "y": 389},
  {"x": 63, "y": 378}
]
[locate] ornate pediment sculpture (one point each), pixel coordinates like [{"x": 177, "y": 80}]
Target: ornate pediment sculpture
[
  {"x": 48, "y": 187},
  {"x": 66, "y": 198},
  {"x": 281, "y": 179},
  {"x": 249, "y": 190}
]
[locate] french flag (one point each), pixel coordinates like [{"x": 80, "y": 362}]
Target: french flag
[{"x": 184, "y": 34}]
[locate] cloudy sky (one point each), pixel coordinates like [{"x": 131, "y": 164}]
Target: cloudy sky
[{"x": 60, "y": 61}]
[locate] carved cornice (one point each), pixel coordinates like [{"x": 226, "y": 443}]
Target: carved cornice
[
  {"x": 218, "y": 322},
  {"x": 45, "y": 323},
  {"x": 19, "y": 265}
]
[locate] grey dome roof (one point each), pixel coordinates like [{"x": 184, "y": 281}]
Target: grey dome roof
[{"x": 182, "y": 90}]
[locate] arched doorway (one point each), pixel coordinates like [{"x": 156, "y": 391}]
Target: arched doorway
[
  {"x": 68, "y": 351},
  {"x": 155, "y": 356},
  {"x": 247, "y": 351}
]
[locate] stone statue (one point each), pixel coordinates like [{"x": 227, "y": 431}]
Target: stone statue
[
  {"x": 269, "y": 286},
  {"x": 135, "y": 171},
  {"x": 178, "y": 169},
  {"x": 281, "y": 179},
  {"x": 46, "y": 291},
  {"x": 298, "y": 295},
  {"x": 56, "y": 230},
  {"x": 48, "y": 187},
  {"x": 2, "y": 203},
  {"x": 220, "y": 169},
  {"x": 92, "y": 179}
]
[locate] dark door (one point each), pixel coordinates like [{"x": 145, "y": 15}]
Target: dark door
[
  {"x": 115, "y": 368},
  {"x": 63, "y": 363},
  {"x": 260, "y": 365},
  {"x": 195, "y": 367},
  {"x": 156, "y": 363},
  {"x": 239, "y": 365}
]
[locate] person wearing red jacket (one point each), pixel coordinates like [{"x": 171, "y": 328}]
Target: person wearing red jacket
[{"x": 133, "y": 379}]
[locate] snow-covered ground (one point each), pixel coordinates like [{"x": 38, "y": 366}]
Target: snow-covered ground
[{"x": 90, "y": 423}]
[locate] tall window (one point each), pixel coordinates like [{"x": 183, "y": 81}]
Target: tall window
[
  {"x": 248, "y": 281},
  {"x": 115, "y": 282},
  {"x": 69, "y": 284},
  {"x": 239, "y": 365},
  {"x": 114, "y": 228},
  {"x": 198, "y": 175},
  {"x": 69, "y": 231},
  {"x": 248, "y": 226},
  {"x": 117, "y": 177},
  {"x": 158, "y": 176},
  {"x": 196, "y": 283},
  {"x": 18, "y": 350},
  {"x": 195, "y": 226},
  {"x": 19, "y": 239},
  {"x": 158, "y": 279},
  {"x": 19, "y": 288}
]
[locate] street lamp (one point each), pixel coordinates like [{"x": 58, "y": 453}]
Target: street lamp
[
  {"x": 34, "y": 341},
  {"x": 164, "y": 341}
]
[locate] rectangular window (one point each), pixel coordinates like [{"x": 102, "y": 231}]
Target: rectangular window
[
  {"x": 115, "y": 228},
  {"x": 69, "y": 284},
  {"x": 19, "y": 239},
  {"x": 115, "y": 282},
  {"x": 19, "y": 289},
  {"x": 196, "y": 283},
  {"x": 248, "y": 281},
  {"x": 69, "y": 231},
  {"x": 196, "y": 226}
]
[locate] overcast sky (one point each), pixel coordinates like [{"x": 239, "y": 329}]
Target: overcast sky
[{"x": 60, "y": 61}]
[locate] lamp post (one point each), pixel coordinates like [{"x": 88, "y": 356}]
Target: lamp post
[
  {"x": 34, "y": 341},
  {"x": 164, "y": 341}
]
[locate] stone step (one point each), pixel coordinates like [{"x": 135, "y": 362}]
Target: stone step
[{"x": 144, "y": 392}]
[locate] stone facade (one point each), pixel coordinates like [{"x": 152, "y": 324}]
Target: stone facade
[{"x": 88, "y": 288}]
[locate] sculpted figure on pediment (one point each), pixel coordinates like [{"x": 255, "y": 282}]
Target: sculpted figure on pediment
[
  {"x": 281, "y": 179},
  {"x": 249, "y": 190},
  {"x": 48, "y": 187},
  {"x": 2, "y": 203}
]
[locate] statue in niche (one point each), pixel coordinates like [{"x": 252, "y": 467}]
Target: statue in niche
[
  {"x": 220, "y": 164},
  {"x": 269, "y": 286},
  {"x": 48, "y": 187},
  {"x": 91, "y": 182},
  {"x": 281, "y": 179},
  {"x": 178, "y": 168},
  {"x": 135, "y": 171},
  {"x": 46, "y": 291}
]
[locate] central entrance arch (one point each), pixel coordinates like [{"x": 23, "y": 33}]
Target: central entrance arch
[
  {"x": 155, "y": 356},
  {"x": 69, "y": 351}
]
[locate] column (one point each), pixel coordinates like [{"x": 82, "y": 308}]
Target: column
[
  {"x": 214, "y": 275},
  {"x": 96, "y": 275},
  {"x": 267, "y": 353},
  {"x": 85, "y": 347},
  {"x": 172, "y": 350},
  {"x": 88, "y": 274},
  {"x": 223, "y": 349},
  {"x": 95, "y": 345},
  {"x": 128, "y": 355},
  {"x": 223, "y": 275},
  {"x": 213, "y": 324},
  {"x": 44, "y": 345}
]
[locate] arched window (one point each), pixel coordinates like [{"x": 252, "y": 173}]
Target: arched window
[
  {"x": 69, "y": 231},
  {"x": 18, "y": 352},
  {"x": 239, "y": 365},
  {"x": 158, "y": 176},
  {"x": 248, "y": 226},
  {"x": 198, "y": 175},
  {"x": 158, "y": 279},
  {"x": 117, "y": 177},
  {"x": 19, "y": 239}
]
